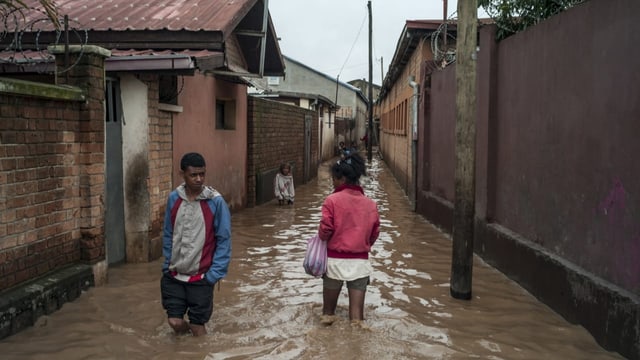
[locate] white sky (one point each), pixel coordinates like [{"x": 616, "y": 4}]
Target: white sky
[{"x": 331, "y": 36}]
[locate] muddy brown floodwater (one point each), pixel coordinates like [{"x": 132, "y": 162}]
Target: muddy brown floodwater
[{"x": 268, "y": 308}]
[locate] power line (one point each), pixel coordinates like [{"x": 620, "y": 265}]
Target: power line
[{"x": 353, "y": 45}]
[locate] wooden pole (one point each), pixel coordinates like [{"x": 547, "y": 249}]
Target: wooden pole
[
  {"x": 444, "y": 21},
  {"x": 464, "y": 205},
  {"x": 370, "y": 88}
]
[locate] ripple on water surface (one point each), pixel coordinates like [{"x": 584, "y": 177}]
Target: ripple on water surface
[{"x": 268, "y": 308}]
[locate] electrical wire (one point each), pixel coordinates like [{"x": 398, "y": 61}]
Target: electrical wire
[{"x": 353, "y": 45}]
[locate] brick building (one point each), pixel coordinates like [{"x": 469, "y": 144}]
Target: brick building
[{"x": 86, "y": 170}]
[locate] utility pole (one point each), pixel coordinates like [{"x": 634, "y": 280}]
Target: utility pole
[
  {"x": 370, "y": 88},
  {"x": 444, "y": 21},
  {"x": 464, "y": 205}
]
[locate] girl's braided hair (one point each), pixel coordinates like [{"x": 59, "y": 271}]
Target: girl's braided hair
[{"x": 351, "y": 168}]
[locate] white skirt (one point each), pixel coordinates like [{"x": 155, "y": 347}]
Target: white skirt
[{"x": 348, "y": 269}]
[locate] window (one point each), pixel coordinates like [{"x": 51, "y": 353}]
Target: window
[
  {"x": 169, "y": 89},
  {"x": 226, "y": 114}
]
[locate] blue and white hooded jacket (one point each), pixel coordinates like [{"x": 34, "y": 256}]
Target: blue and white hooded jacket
[{"x": 196, "y": 242}]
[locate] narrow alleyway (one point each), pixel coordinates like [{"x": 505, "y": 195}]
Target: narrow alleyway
[{"x": 268, "y": 308}]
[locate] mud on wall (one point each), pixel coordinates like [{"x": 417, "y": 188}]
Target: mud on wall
[{"x": 135, "y": 139}]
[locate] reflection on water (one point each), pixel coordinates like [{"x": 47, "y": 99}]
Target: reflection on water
[{"x": 268, "y": 308}]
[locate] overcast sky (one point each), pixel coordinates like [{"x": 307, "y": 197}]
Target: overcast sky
[{"x": 331, "y": 36}]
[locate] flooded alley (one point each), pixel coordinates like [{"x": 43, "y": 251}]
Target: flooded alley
[{"x": 268, "y": 308}]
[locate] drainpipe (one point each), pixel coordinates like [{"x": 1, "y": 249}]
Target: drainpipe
[
  {"x": 263, "y": 43},
  {"x": 414, "y": 141}
]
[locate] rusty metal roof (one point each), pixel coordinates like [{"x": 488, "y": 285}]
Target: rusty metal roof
[
  {"x": 173, "y": 15},
  {"x": 223, "y": 28},
  {"x": 120, "y": 60}
]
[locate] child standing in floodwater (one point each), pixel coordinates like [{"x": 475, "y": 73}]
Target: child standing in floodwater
[
  {"x": 350, "y": 225},
  {"x": 283, "y": 185}
]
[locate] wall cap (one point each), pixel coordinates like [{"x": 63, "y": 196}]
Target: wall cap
[
  {"x": 170, "y": 107},
  {"x": 41, "y": 90},
  {"x": 86, "y": 49}
]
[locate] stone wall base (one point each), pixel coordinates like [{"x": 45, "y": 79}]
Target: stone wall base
[
  {"x": 436, "y": 209},
  {"x": 20, "y": 307},
  {"x": 610, "y": 313}
]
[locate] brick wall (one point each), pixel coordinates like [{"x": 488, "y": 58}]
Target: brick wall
[
  {"x": 160, "y": 164},
  {"x": 52, "y": 178},
  {"x": 39, "y": 193},
  {"x": 88, "y": 74},
  {"x": 276, "y": 135}
]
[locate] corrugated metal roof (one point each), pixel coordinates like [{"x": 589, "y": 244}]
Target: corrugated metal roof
[
  {"x": 138, "y": 25},
  {"x": 25, "y": 56},
  {"x": 151, "y": 52},
  {"x": 31, "y": 55},
  {"x": 120, "y": 60},
  {"x": 174, "y": 15}
]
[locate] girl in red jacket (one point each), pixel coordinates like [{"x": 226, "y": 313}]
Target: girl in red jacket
[{"x": 350, "y": 224}]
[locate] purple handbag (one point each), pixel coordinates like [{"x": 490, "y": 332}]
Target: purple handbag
[{"x": 315, "y": 259}]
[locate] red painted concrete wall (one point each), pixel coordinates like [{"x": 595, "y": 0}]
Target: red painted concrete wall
[
  {"x": 225, "y": 151},
  {"x": 557, "y": 190},
  {"x": 558, "y": 135},
  {"x": 566, "y": 137},
  {"x": 436, "y": 145},
  {"x": 441, "y": 134}
]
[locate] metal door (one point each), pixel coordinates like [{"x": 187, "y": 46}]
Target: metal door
[{"x": 114, "y": 192}]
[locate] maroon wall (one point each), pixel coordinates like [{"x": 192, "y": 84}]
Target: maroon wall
[
  {"x": 442, "y": 134},
  {"x": 436, "y": 146},
  {"x": 557, "y": 190},
  {"x": 567, "y": 128}
]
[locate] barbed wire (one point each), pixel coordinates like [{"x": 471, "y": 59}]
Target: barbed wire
[
  {"x": 509, "y": 17},
  {"x": 441, "y": 54},
  {"x": 16, "y": 26}
]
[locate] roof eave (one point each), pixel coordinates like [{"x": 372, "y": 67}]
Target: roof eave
[
  {"x": 150, "y": 63},
  {"x": 127, "y": 39},
  {"x": 411, "y": 34}
]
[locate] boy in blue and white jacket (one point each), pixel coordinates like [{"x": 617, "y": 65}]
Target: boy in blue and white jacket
[{"x": 196, "y": 245}]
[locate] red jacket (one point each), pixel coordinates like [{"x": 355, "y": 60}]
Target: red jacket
[{"x": 350, "y": 223}]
